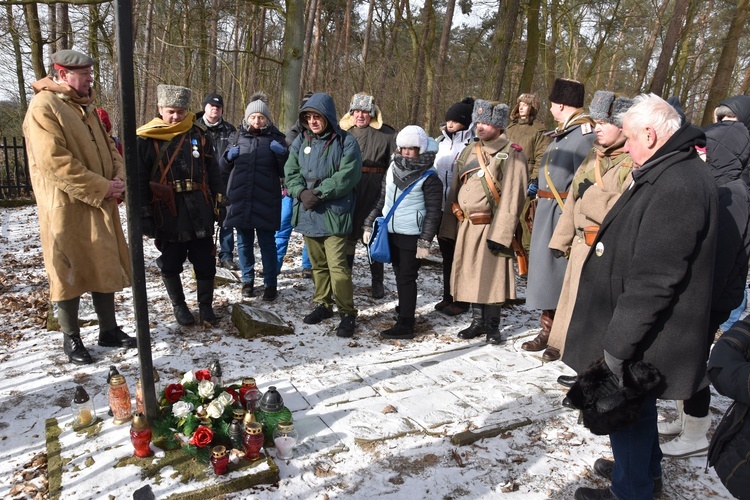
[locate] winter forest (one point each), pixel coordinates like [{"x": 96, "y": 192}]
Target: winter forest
[{"x": 416, "y": 58}]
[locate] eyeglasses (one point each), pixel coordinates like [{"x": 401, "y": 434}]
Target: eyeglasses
[{"x": 312, "y": 116}]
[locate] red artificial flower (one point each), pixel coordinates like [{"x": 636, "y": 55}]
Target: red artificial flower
[
  {"x": 174, "y": 392},
  {"x": 234, "y": 394},
  {"x": 202, "y": 436},
  {"x": 202, "y": 375}
]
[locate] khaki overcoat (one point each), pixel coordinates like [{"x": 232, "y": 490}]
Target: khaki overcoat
[
  {"x": 589, "y": 210},
  {"x": 71, "y": 161},
  {"x": 479, "y": 275}
]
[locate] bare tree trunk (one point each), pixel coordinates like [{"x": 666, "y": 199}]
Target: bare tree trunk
[
  {"x": 745, "y": 85},
  {"x": 312, "y": 8},
  {"x": 723, "y": 75},
  {"x": 316, "y": 46},
  {"x": 15, "y": 36},
  {"x": 144, "y": 87},
  {"x": 347, "y": 38},
  {"x": 213, "y": 41},
  {"x": 36, "y": 42},
  {"x": 642, "y": 68},
  {"x": 291, "y": 67},
  {"x": 435, "y": 95},
  {"x": 52, "y": 25},
  {"x": 533, "y": 39},
  {"x": 366, "y": 45},
  {"x": 64, "y": 38},
  {"x": 550, "y": 53},
  {"x": 615, "y": 60},
  {"x": 502, "y": 41},
  {"x": 670, "y": 41}
]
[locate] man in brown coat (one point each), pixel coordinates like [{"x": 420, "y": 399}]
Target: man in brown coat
[
  {"x": 78, "y": 176},
  {"x": 486, "y": 198}
]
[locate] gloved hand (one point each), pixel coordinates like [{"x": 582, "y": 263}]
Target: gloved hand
[
  {"x": 583, "y": 186},
  {"x": 367, "y": 235},
  {"x": 423, "y": 248},
  {"x": 533, "y": 188},
  {"x": 496, "y": 248},
  {"x": 615, "y": 365},
  {"x": 147, "y": 227},
  {"x": 232, "y": 153},
  {"x": 277, "y": 147},
  {"x": 309, "y": 199},
  {"x": 557, "y": 253}
]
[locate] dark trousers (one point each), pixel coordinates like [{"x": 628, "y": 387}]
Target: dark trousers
[
  {"x": 447, "y": 249},
  {"x": 637, "y": 456},
  {"x": 406, "y": 266},
  {"x": 699, "y": 403},
  {"x": 200, "y": 253}
]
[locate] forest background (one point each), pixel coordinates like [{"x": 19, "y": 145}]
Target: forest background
[{"x": 416, "y": 58}]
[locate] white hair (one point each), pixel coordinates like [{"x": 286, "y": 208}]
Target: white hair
[{"x": 650, "y": 110}]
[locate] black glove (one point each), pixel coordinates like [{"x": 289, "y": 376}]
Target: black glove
[
  {"x": 557, "y": 253},
  {"x": 309, "y": 199},
  {"x": 615, "y": 365},
  {"x": 147, "y": 227},
  {"x": 496, "y": 248},
  {"x": 583, "y": 186}
]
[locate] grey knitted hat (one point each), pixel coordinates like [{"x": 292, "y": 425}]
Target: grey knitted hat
[
  {"x": 173, "y": 96},
  {"x": 363, "y": 102},
  {"x": 609, "y": 107},
  {"x": 492, "y": 114},
  {"x": 258, "y": 104}
]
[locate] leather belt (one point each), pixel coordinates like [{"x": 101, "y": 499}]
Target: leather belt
[
  {"x": 374, "y": 170},
  {"x": 549, "y": 194}
]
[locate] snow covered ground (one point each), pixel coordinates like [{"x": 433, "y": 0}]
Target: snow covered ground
[{"x": 375, "y": 417}]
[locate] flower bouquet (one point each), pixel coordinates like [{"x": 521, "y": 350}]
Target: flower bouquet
[{"x": 196, "y": 414}]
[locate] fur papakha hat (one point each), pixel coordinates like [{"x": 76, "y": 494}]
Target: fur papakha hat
[
  {"x": 412, "y": 136},
  {"x": 491, "y": 113},
  {"x": 173, "y": 96},
  {"x": 609, "y": 107},
  {"x": 258, "y": 104},
  {"x": 363, "y": 102},
  {"x": 568, "y": 92}
]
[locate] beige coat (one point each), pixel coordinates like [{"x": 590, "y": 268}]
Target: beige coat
[
  {"x": 479, "y": 276},
  {"x": 71, "y": 161},
  {"x": 577, "y": 214}
]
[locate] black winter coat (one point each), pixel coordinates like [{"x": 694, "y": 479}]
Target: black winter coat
[
  {"x": 253, "y": 180},
  {"x": 729, "y": 371},
  {"x": 645, "y": 289},
  {"x": 220, "y": 134},
  {"x": 194, "y": 208}
]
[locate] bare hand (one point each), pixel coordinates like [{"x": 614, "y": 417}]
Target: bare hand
[{"x": 116, "y": 188}]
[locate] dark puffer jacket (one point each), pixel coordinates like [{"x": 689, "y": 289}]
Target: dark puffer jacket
[
  {"x": 253, "y": 180},
  {"x": 729, "y": 371}
]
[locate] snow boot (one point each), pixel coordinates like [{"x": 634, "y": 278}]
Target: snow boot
[
  {"x": 205, "y": 300},
  {"x": 492, "y": 318},
  {"x": 673, "y": 427},
  {"x": 477, "y": 326},
  {"x": 403, "y": 329},
  {"x": 692, "y": 440},
  {"x": 182, "y": 314}
]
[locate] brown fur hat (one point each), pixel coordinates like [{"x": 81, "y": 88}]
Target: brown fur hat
[{"x": 530, "y": 99}]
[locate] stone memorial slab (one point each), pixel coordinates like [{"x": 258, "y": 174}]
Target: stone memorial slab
[{"x": 254, "y": 322}]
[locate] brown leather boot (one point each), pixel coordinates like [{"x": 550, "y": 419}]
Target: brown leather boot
[{"x": 540, "y": 341}]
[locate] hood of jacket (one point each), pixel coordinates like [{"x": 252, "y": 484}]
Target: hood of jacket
[
  {"x": 727, "y": 150},
  {"x": 323, "y": 104},
  {"x": 740, "y": 104}
]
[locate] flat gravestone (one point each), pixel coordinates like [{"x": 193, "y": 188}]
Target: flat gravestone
[
  {"x": 225, "y": 277},
  {"x": 253, "y": 322}
]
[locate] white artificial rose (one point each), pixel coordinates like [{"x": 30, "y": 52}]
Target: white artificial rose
[
  {"x": 182, "y": 409},
  {"x": 206, "y": 389},
  {"x": 215, "y": 409},
  {"x": 187, "y": 378},
  {"x": 226, "y": 399}
]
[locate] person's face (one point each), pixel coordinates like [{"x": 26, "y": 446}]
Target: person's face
[
  {"x": 637, "y": 144},
  {"x": 257, "y": 120},
  {"x": 361, "y": 118},
  {"x": 557, "y": 111},
  {"x": 171, "y": 114},
  {"x": 523, "y": 109},
  {"x": 488, "y": 132},
  {"x": 409, "y": 152},
  {"x": 452, "y": 126},
  {"x": 607, "y": 133},
  {"x": 316, "y": 122},
  {"x": 79, "y": 79},
  {"x": 212, "y": 113}
]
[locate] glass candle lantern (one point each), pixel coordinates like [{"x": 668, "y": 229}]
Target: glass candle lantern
[
  {"x": 139, "y": 406},
  {"x": 250, "y": 395},
  {"x": 220, "y": 460},
  {"x": 253, "y": 440},
  {"x": 84, "y": 413},
  {"x": 119, "y": 400},
  {"x": 237, "y": 429},
  {"x": 112, "y": 372},
  {"x": 271, "y": 411},
  {"x": 215, "y": 369},
  {"x": 140, "y": 435},
  {"x": 285, "y": 438}
]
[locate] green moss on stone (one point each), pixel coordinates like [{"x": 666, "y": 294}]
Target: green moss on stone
[{"x": 54, "y": 463}]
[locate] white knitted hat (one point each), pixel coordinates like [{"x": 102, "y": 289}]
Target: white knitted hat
[{"x": 412, "y": 136}]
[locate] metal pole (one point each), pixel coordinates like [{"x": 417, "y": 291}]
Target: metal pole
[{"x": 124, "y": 23}]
